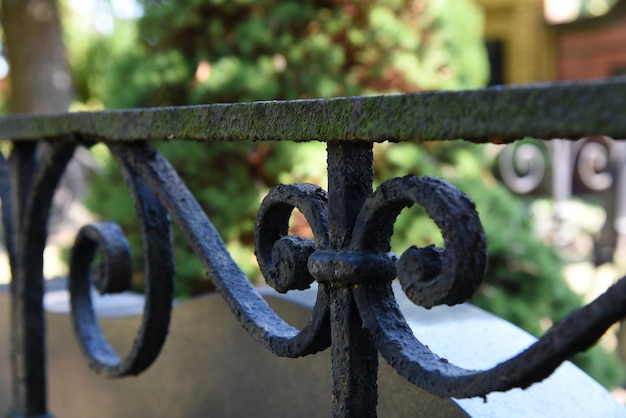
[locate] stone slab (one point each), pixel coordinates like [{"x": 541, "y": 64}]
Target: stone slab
[{"x": 210, "y": 367}]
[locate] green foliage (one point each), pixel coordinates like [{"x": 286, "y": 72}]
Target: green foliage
[{"x": 192, "y": 51}]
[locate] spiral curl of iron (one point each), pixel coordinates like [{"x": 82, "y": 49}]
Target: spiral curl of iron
[{"x": 113, "y": 275}]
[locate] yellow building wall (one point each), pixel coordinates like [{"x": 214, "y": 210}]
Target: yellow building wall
[{"x": 529, "y": 42}]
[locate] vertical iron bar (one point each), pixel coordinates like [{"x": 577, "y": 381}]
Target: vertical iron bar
[
  {"x": 562, "y": 173},
  {"x": 27, "y": 318},
  {"x": 354, "y": 357},
  {"x": 620, "y": 217},
  {"x": 5, "y": 197}
]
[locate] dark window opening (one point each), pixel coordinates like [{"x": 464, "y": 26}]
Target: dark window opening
[{"x": 495, "y": 54}]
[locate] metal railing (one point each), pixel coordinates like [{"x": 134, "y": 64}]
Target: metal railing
[
  {"x": 355, "y": 313},
  {"x": 590, "y": 167}
]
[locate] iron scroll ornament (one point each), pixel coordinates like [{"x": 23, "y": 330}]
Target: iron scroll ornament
[
  {"x": 430, "y": 276},
  {"x": 113, "y": 275},
  {"x": 158, "y": 192}
]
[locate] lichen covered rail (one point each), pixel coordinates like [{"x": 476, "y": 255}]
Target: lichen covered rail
[{"x": 350, "y": 258}]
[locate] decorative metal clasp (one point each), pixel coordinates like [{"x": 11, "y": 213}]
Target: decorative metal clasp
[{"x": 430, "y": 276}]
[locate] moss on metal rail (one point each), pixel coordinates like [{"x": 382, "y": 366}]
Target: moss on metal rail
[{"x": 500, "y": 114}]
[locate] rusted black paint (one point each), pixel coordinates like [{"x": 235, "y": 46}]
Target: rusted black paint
[
  {"x": 253, "y": 312},
  {"x": 114, "y": 272},
  {"x": 419, "y": 365},
  {"x": 464, "y": 259},
  {"x": 351, "y": 267},
  {"x": 354, "y": 357},
  {"x": 350, "y": 258},
  {"x": 283, "y": 258},
  {"x": 39, "y": 168},
  {"x": 115, "y": 276}
]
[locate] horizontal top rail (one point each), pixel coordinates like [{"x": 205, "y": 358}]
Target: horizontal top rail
[{"x": 497, "y": 114}]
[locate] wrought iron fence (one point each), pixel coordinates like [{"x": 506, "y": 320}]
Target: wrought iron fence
[
  {"x": 355, "y": 313},
  {"x": 591, "y": 166}
]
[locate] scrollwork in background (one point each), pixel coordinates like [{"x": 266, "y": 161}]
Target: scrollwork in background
[
  {"x": 592, "y": 165},
  {"x": 595, "y": 164},
  {"x": 523, "y": 166}
]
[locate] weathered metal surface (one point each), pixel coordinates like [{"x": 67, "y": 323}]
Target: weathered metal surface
[
  {"x": 252, "y": 311},
  {"x": 419, "y": 365},
  {"x": 354, "y": 357},
  {"x": 283, "y": 258},
  {"x": 355, "y": 313},
  {"x": 429, "y": 276},
  {"x": 33, "y": 182},
  {"x": 501, "y": 114},
  {"x": 114, "y": 275}
]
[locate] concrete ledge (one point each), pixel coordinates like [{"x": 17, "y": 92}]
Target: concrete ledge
[{"x": 210, "y": 367}]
